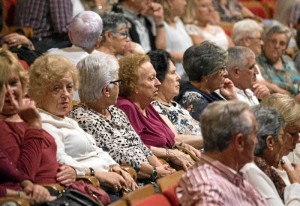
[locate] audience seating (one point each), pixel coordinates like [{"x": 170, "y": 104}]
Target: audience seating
[
  {"x": 139, "y": 194},
  {"x": 258, "y": 8},
  {"x": 167, "y": 182},
  {"x": 156, "y": 199},
  {"x": 17, "y": 201},
  {"x": 121, "y": 202}
]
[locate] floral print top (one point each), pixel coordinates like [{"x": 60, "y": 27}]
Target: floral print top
[{"x": 182, "y": 120}]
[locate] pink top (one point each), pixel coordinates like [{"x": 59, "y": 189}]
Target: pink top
[
  {"x": 33, "y": 151},
  {"x": 152, "y": 129}
]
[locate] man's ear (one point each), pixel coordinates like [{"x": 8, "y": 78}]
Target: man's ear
[
  {"x": 246, "y": 41},
  {"x": 236, "y": 71},
  {"x": 239, "y": 142},
  {"x": 70, "y": 36},
  {"x": 98, "y": 43}
]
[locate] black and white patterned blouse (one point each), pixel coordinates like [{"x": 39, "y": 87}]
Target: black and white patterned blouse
[{"x": 116, "y": 136}]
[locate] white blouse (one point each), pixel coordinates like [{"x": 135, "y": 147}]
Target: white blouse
[{"x": 75, "y": 147}]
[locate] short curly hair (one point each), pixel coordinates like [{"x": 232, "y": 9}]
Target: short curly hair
[
  {"x": 45, "y": 71},
  {"x": 129, "y": 72},
  {"x": 8, "y": 62}
]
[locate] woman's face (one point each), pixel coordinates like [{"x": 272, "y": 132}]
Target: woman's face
[
  {"x": 114, "y": 90},
  {"x": 14, "y": 87},
  {"x": 290, "y": 139},
  {"x": 2, "y": 97},
  {"x": 58, "y": 98},
  {"x": 170, "y": 85},
  {"x": 178, "y": 7},
  {"x": 216, "y": 80},
  {"x": 204, "y": 11},
  {"x": 121, "y": 41},
  {"x": 275, "y": 46},
  {"x": 147, "y": 85}
]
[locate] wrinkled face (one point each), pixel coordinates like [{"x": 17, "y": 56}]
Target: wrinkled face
[
  {"x": 59, "y": 95},
  {"x": 250, "y": 142},
  {"x": 216, "y": 80},
  {"x": 290, "y": 138},
  {"x": 147, "y": 85},
  {"x": 256, "y": 42},
  {"x": 14, "y": 86},
  {"x": 114, "y": 90},
  {"x": 275, "y": 46},
  {"x": 277, "y": 148},
  {"x": 120, "y": 41},
  {"x": 247, "y": 75},
  {"x": 2, "y": 97},
  {"x": 178, "y": 7},
  {"x": 204, "y": 11},
  {"x": 170, "y": 85}
]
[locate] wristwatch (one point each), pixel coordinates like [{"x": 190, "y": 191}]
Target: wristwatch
[{"x": 154, "y": 175}]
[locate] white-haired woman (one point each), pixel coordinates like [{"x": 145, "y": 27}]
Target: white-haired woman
[{"x": 110, "y": 127}]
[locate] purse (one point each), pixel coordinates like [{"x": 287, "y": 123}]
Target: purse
[
  {"x": 94, "y": 192},
  {"x": 71, "y": 197}
]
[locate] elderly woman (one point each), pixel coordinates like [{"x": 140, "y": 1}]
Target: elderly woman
[
  {"x": 115, "y": 35},
  {"x": 110, "y": 127},
  {"x": 205, "y": 65},
  {"x": 53, "y": 80},
  {"x": 290, "y": 110},
  {"x": 268, "y": 152},
  {"x": 21, "y": 139},
  {"x": 187, "y": 127},
  {"x": 198, "y": 19},
  {"x": 138, "y": 89},
  {"x": 276, "y": 67}
]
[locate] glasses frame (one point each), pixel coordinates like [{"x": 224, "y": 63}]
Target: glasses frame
[{"x": 119, "y": 81}]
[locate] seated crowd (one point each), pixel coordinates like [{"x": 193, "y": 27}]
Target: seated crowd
[{"x": 155, "y": 85}]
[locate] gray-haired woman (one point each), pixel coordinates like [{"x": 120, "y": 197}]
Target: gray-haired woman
[
  {"x": 110, "y": 127},
  {"x": 115, "y": 35},
  {"x": 205, "y": 67}
]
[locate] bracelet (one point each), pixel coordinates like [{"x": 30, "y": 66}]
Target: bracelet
[
  {"x": 20, "y": 194},
  {"x": 92, "y": 172},
  {"x": 167, "y": 155},
  {"x": 159, "y": 26}
]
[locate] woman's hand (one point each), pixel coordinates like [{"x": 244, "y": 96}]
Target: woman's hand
[
  {"x": 181, "y": 159},
  {"x": 113, "y": 179},
  {"x": 228, "y": 90},
  {"x": 29, "y": 113},
  {"x": 66, "y": 175},
  {"x": 293, "y": 174},
  {"x": 130, "y": 183},
  {"x": 37, "y": 194},
  {"x": 192, "y": 150},
  {"x": 165, "y": 170}
]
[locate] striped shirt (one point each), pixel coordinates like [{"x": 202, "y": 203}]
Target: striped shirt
[
  {"x": 213, "y": 183},
  {"x": 45, "y": 17}
]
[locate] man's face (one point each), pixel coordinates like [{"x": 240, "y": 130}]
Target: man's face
[
  {"x": 247, "y": 74},
  {"x": 255, "y": 43}
]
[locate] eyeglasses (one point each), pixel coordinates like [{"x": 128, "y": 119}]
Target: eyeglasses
[
  {"x": 274, "y": 42},
  {"x": 119, "y": 81},
  {"x": 125, "y": 34},
  {"x": 256, "y": 38}
]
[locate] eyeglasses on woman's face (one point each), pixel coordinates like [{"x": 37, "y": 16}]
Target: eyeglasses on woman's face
[
  {"x": 124, "y": 34},
  {"x": 116, "y": 82}
]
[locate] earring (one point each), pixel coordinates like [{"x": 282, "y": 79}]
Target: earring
[{"x": 271, "y": 148}]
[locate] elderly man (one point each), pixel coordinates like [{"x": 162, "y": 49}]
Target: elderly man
[
  {"x": 85, "y": 34},
  {"x": 229, "y": 131},
  {"x": 248, "y": 33},
  {"x": 242, "y": 71}
]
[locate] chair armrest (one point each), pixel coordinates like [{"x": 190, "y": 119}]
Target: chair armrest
[
  {"x": 16, "y": 200},
  {"x": 130, "y": 170},
  {"x": 89, "y": 180},
  {"x": 54, "y": 189}
]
